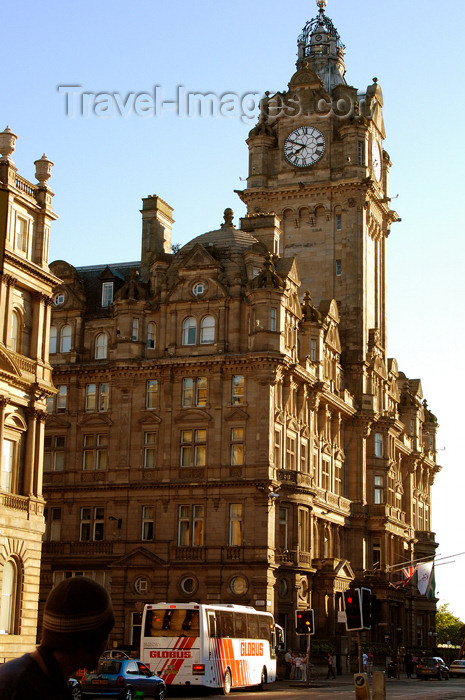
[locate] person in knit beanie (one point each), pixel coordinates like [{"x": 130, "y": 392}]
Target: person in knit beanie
[{"x": 78, "y": 618}]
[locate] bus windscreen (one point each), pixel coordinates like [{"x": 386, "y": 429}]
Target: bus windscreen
[{"x": 172, "y": 623}]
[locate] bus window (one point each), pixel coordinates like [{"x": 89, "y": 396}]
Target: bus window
[
  {"x": 240, "y": 625},
  {"x": 191, "y": 623},
  {"x": 265, "y": 625},
  {"x": 252, "y": 627},
  {"x": 226, "y": 624}
]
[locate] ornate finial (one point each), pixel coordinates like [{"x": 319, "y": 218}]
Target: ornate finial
[
  {"x": 228, "y": 217},
  {"x": 43, "y": 170},
  {"x": 7, "y": 143},
  {"x": 375, "y": 80},
  {"x": 322, "y": 4}
]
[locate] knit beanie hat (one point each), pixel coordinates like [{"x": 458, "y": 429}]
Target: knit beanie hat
[{"x": 78, "y": 614}]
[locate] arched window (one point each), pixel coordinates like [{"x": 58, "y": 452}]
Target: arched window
[
  {"x": 52, "y": 348},
  {"x": 151, "y": 335},
  {"x": 9, "y": 598},
  {"x": 15, "y": 334},
  {"x": 65, "y": 339},
  {"x": 101, "y": 346},
  {"x": 207, "y": 330},
  {"x": 189, "y": 331}
]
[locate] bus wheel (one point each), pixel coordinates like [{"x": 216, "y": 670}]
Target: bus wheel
[
  {"x": 227, "y": 682},
  {"x": 263, "y": 679}
]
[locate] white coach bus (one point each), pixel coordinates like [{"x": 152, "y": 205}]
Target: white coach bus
[{"x": 216, "y": 646}]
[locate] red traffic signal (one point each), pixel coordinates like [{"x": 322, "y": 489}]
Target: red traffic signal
[
  {"x": 353, "y": 609},
  {"x": 305, "y": 622}
]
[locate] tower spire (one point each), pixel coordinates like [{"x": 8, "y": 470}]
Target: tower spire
[{"x": 321, "y": 47}]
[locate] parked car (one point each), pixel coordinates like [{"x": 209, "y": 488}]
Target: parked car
[
  {"x": 120, "y": 678},
  {"x": 75, "y": 688},
  {"x": 115, "y": 654},
  {"x": 432, "y": 667},
  {"x": 457, "y": 668}
]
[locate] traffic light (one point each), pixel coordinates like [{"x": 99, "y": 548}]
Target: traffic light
[
  {"x": 305, "y": 621},
  {"x": 353, "y": 608},
  {"x": 367, "y": 608}
]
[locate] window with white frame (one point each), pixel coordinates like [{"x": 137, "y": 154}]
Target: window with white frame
[
  {"x": 9, "y": 598},
  {"x": 278, "y": 449},
  {"x": 107, "y": 293},
  {"x": 237, "y": 446},
  {"x": 191, "y": 522},
  {"x": 378, "y": 445},
  {"x": 21, "y": 234},
  {"x": 326, "y": 474},
  {"x": 235, "y": 524},
  {"x": 52, "y": 348},
  {"x": 313, "y": 350},
  {"x": 65, "y": 338},
  {"x": 273, "y": 319},
  {"x": 189, "y": 331},
  {"x": 151, "y": 335},
  {"x": 52, "y": 524},
  {"x": 95, "y": 456},
  {"x": 97, "y": 397},
  {"x": 151, "y": 393},
  {"x": 62, "y": 398},
  {"x": 92, "y": 521},
  {"x": 101, "y": 346},
  {"x": 148, "y": 523},
  {"x": 304, "y": 530},
  {"x": 379, "y": 489},
  {"x": 304, "y": 456},
  {"x": 15, "y": 331},
  {"x": 290, "y": 452},
  {"x": 283, "y": 533},
  {"x": 135, "y": 329},
  {"x": 193, "y": 448},
  {"x": 9, "y": 459},
  {"x": 338, "y": 478},
  {"x": 54, "y": 453},
  {"x": 207, "y": 330},
  {"x": 194, "y": 391},
  {"x": 238, "y": 389},
  {"x": 150, "y": 450},
  {"x": 376, "y": 553}
]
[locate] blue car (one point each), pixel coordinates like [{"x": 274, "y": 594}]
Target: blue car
[{"x": 121, "y": 678}]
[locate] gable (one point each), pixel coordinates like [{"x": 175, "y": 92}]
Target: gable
[
  {"x": 139, "y": 558},
  {"x": 198, "y": 257},
  {"x": 7, "y": 363},
  {"x": 95, "y": 419}
]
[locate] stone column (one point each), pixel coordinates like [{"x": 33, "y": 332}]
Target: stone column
[
  {"x": 29, "y": 457},
  {"x": 39, "y": 453}
]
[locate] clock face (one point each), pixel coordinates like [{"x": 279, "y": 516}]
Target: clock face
[
  {"x": 304, "y": 146},
  {"x": 376, "y": 159}
]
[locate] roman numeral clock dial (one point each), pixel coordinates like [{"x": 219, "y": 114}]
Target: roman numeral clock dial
[{"x": 304, "y": 146}]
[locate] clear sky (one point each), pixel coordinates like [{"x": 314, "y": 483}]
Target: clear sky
[{"x": 105, "y": 162}]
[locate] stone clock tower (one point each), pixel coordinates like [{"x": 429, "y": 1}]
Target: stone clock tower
[{"x": 316, "y": 159}]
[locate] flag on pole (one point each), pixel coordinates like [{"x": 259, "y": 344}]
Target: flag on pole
[
  {"x": 407, "y": 574},
  {"x": 431, "y": 590},
  {"x": 425, "y": 573}
]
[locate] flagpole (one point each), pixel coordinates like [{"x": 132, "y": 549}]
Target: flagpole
[{"x": 422, "y": 560}]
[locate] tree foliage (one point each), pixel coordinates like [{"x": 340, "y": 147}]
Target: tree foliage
[{"x": 449, "y": 627}]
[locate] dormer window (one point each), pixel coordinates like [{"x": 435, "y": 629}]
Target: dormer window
[{"x": 107, "y": 293}]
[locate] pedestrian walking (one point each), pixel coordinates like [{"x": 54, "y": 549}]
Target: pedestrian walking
[
  {"x": 330, "y": 662},
  {"x": 287, "y": 662},
  {"x": 408, "y": 661}
]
